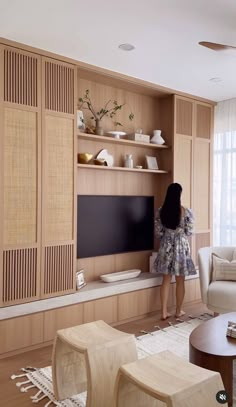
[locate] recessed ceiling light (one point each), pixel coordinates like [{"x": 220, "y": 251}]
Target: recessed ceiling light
[
  {"x": 216, "y": 80},
  {"x": 127, "y": 47}
]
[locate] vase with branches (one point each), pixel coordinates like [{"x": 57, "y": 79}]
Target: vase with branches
[{"x": 110, "y": 109}]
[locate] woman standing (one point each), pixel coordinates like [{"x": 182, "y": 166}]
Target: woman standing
[{"x": 173, "y": 225}]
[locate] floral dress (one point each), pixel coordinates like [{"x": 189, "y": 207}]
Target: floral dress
[{"x": 174, "y": 256}]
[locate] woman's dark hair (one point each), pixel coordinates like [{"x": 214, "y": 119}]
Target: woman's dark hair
[{"x": 171, "y": 209}]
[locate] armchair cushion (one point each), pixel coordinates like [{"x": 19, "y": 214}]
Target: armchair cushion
[
  {"x": 219, "y": 296},
  {"x": 223, "y": 269},
  {"x": 222, "y": 296}
]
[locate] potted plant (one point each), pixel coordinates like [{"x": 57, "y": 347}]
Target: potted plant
[{"x": 110, "y": 109}]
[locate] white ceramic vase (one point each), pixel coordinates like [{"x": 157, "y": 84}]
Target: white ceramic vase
[{"x": 157, "y": 139}]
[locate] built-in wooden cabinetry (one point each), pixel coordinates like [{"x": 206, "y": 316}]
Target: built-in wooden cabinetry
[
  {"x": 192, "y": 163},
  {"x": 37, "y": 200},
  {"x": 40, "y": 180}
]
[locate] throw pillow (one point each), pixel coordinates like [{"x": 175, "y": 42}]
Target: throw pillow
[{"x": 223, "y": 269}]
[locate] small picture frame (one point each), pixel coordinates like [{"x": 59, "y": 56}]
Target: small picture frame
[
  {"x": 80, "y": 280},
  {"x": 151, "y": 163}
]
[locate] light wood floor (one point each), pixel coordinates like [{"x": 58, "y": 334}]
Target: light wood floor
[{"x": 10, "y": 395}]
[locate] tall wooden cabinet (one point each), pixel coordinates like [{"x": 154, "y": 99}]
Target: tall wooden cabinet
[
  {"x": 37, "y": 178},
  {"x": 192, "y": 163},
  {"x": 20, "y": 197},
  {"x": 58, "y": 179}
]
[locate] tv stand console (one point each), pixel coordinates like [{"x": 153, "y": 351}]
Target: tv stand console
[{"x": 115, "y": 303}]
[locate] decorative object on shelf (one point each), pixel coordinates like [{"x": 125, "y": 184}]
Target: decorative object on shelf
[
  {"x": 103, "y": 154},
  {"x": 139, "y": 136},
  {"x": 151, "y": 163},
  {"x": 157, "y": 139},
  {"x": 116, "y": 134},
  {"x": 128, "y": 161},
  {"x": 100, "y": 161},
  {"x": 80, "y": 121},
  {"x": 231, "y": 329},
  {"x": 139, "y": 167},
  {"x": 84, "y": 158},
  {"x": 107, "y": 110},
  {"x": 80, "y": 279},
  {"x": 120, "y": 275}
]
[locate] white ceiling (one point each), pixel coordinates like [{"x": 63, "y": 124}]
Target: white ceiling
[{"x": 165, "y": 34}]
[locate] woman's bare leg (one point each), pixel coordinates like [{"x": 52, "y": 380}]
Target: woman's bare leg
[
  {"x": 180, "y": 291},
  {"x": 164, "y": 295}
]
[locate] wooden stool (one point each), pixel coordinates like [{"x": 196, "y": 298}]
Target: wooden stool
[
  {"x": 87, "y": 357},
  {"x": 165, "y": 379}
]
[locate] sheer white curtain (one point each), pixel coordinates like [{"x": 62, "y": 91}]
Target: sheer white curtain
[{"x": 224, "y": 174}]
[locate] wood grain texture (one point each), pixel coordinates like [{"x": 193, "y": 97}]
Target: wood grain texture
[
  {"x": 184, "y": 116},
  {"x": 89, "y": 356},
  {"x": 21, "y": 77},
  {"x": 157, "y": 377},
  {"x": 59, "y": 173},
  {"x": 201, "y": 240},
  {"x": 203, "y": 121},
  {"x": 20, "y": 176},
  {"x": 218, "y": 355},
  {"x": 132, "y": 304},
  {"x": 105, "y": 309},
  {"x": 183, "y": 167},
  {"x": 61, "y": 318},
  {"x": 202, "y": 184},
  {"x": 19, "y": 333}
]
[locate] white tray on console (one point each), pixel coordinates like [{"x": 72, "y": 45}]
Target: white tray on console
[{"x": 120, "y": 275}]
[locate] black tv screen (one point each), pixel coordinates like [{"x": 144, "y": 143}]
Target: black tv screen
[{"x": 114, "y": 224}]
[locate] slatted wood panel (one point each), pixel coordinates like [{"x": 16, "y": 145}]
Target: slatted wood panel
[
  {"x": 19, "y": 275},
  {"x": 20, "y": 78},
  {"x": 58, "y": 268},
  {"x": 203, "y": 121},
  {"x": 20, "y": 177},
  {"x": 184, "y": 116},
  {"x": 59, "y": 179},
  {"x": 59, "y": 87}
]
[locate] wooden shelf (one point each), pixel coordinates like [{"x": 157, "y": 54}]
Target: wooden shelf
[
  {"x": 108, "y": 139},
  {"x": 103, "y": 167}
]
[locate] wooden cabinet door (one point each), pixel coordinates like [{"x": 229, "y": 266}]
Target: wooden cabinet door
[
  {"x": 193, "y": 128},
  {"x": 132, "y": 304},
  {"x": 20, "y": 176},
  {"x": 58, "y": 179},
  {"x": 202, "y": 185},
  {"x": 183, "y": 167},
  {"x": 183, "y": 146}
]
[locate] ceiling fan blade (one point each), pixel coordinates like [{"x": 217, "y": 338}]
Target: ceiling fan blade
[{"x": 217, "y": 47}]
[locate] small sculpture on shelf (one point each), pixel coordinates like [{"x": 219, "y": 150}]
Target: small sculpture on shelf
[
  {"x": 110, "y": 109},
  {"x": 157, "y": 138}
]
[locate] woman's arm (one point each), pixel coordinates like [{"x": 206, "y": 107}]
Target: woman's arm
[
  {"x": 188, "y": 222},
  {"x": 159, "y": 228}
]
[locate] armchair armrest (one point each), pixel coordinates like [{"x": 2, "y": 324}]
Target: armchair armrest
[{"x": 204, "y": 263}]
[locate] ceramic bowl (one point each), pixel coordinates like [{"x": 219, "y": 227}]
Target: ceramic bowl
[
  {"x": 100, "y": 161},
  {"x": 84, "y": 158}
]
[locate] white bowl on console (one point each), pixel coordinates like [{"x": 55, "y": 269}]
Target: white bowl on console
[{"x": 120, "y": 275}]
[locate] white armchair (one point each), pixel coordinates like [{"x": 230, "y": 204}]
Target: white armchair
[{"x": 219, "y": 296}]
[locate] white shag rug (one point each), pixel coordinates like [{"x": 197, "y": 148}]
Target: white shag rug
[{"x": 174, "y": 338}]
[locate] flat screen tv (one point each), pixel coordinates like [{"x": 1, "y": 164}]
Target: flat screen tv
[{"x": 114, "y": 224}]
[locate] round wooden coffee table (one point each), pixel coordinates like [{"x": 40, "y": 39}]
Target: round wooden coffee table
[{"x": 212, "y": 349}]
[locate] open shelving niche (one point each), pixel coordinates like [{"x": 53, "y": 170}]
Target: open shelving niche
[{"x": 111, "y": 140}]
